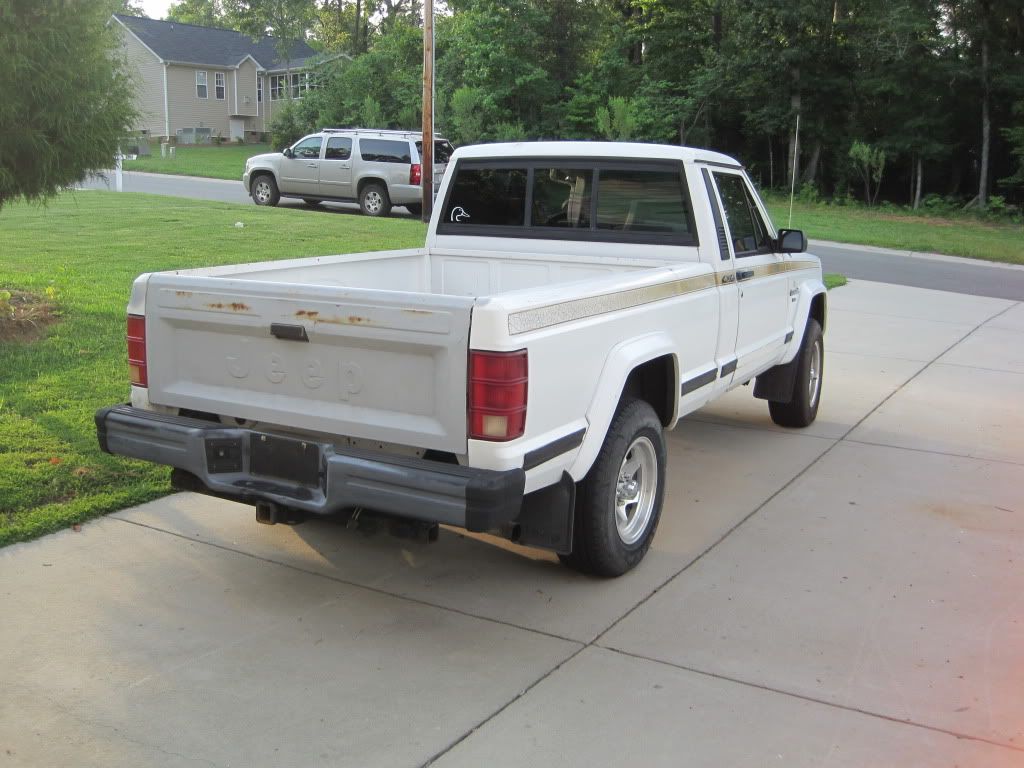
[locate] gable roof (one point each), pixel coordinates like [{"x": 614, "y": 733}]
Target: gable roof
[{"x": 191, "y": 44}]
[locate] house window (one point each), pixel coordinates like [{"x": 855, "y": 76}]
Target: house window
[
  {"x": 277, "y": 86},
  {"x": 259, "y": 90},
  {"x": 218, "y": 85},
  {"x": 201, "y": 85}
]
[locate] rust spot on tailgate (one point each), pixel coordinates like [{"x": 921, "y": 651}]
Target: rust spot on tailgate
[
  {"x": 183, "y": 294},
  {"x": 234, "y": 306},
  {"x": 350, "y": 320},
  {"x": 312, "y": 314},
  {"x": 417, "y": 311}
]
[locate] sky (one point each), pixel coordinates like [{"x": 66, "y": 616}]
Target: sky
[{"x": 155, "y": 9}]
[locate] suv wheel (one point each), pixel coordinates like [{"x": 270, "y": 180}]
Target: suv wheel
[
  {"x": 373, "y": 200},
  {"x": 264, "y": 190}
]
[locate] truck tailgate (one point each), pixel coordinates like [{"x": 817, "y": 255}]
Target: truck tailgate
[{"x": 363, "y": 363}]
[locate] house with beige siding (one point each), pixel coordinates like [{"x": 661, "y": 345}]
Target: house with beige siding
[{"x": 196, "y": 83}]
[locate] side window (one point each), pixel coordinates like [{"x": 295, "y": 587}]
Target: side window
[
  {"x": 561, "y": 197},
  {"x": 746, "y": 229},
  {"x": 338, "y": 148},
  {"x": 308, "y": 149},
  {"x": 201, "y": 90},
  {"x": 642, "y": 201},
  {"x": 487, "y": 196},
  {"x": 385, "y": 151}
]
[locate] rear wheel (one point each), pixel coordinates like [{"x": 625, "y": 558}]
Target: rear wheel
[
  {"x": 618, "y": 503},
  {"x": 264, "y": 190},
  {"x": 802, "y": 408},
  {"x": 373, "y": 200}
]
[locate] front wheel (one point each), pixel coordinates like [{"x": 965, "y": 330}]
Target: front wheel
[
  {"x": 264, "y": 190},
  {"x": 618, "y": 503},
  {"x": 802, "y": 407},
  {"x": 373, "y": 200}
]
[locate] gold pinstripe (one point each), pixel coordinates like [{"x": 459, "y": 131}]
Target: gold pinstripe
[{"x": 577, "y": 309}]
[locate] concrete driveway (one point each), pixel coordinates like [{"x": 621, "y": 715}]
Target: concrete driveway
[{"x": 847, "y": 595}]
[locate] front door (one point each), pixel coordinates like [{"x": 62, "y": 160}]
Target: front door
[
  {"x": 237, "y": 128},
  {"x": 300, "y": 174},
  {"x": 760, "y": 277},
  {"x": 336, "y": 168}
]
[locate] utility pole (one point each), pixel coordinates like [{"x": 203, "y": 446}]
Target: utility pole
[{"x": 427, "y": 159}]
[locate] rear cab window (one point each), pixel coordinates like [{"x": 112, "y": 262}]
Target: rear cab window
[{"x": 571, "y": 199}]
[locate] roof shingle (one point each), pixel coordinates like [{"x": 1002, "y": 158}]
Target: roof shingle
[{"x": 190, "y": 44}]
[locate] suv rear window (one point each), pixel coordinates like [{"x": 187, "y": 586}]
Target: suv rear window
[
  {"x": 385, "y": 151},
  {"x": 442, "y": 150},
  {"x": 571, "y": 199}
]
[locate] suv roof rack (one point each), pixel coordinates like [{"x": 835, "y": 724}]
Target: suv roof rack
[{"x": 378, "y": 131}]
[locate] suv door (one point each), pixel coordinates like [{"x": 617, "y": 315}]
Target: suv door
[
  {"x": 336, "y": 168},
  {"x": 300, "y": 174},
  {"x": 760, "y": 276}
]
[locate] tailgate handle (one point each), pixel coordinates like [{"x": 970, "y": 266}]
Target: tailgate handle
[{"x": 288, "y": 332}]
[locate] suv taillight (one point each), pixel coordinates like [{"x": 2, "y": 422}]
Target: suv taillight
[
  {"x": 415, "y": 173},
  {"x": 137, "y": 350},
  {"x": 497, "y": 395}
]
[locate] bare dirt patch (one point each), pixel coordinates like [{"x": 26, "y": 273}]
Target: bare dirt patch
[{"x": 24, "y": 316}]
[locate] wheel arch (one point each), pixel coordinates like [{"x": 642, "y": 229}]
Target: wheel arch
[
  {"x": 364, "y": 182},
  {"x": 646, "y": 368}
]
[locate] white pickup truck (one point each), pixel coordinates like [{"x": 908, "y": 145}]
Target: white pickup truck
[{"x": 514, "y": 376}]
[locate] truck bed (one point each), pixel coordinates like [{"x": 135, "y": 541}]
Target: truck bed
[{"x": 367, "y": 346}]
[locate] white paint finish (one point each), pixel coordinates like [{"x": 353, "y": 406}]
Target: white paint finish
[
  {"x": 882, "y": 579},
  {"x": 606, "y": 709},
  {"x": 954, "y": 409},
  {"x": 178, "y": 653}
]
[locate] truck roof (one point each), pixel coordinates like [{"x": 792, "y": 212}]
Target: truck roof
[{"x": 593, "y": 149}]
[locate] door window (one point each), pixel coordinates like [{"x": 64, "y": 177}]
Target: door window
[
  {"x": 308, "y": 149},
  {"x": 746, "y": 228},
  {"x": 338, "y": 148}
]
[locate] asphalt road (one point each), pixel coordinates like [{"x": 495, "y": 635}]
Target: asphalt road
[{"x": 854, "y": 261}]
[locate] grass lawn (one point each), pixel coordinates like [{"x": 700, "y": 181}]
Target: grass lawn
[
  {"x": 82, "y": 252},
  {"x": 226, "y": 161},
  {"x": 834, "y": 281},
  {"x": 955, "y": 237}
]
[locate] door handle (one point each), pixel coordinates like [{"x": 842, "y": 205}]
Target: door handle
[
  {"x": 744, "y": 274},
  {"x": 728, "y": 278},
  {"x": 311, "y": 165}
]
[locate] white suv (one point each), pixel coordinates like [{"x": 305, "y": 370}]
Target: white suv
[{"x": 378, "y": 169}]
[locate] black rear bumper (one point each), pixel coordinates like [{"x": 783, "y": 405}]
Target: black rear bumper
[{"x": 221, "y": 459}]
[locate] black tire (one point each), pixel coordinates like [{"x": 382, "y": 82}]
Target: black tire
[
  {"x": 374, "y": 201},
  {"x": 601, "y": 545},
  {"x": 264, "y": 191},
  {"x": 416, "y": 209},
  {"x": 802, "y": 408},
  {"x": 312, "y": 202}
]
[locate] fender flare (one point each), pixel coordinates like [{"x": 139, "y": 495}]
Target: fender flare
[
  {"x": 619, "y": 364},
  {"x": 809, "y": 289}
]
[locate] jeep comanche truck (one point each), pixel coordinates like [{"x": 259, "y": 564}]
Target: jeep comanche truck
[{"x": 514, "y": 376}]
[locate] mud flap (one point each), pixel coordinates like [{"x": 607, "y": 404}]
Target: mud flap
[{"x": 546, "y": 517}]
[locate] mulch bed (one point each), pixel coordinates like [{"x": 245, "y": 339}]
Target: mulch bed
[{"x": 25, "y": 316}]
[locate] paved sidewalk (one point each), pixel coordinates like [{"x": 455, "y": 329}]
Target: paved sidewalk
[{"x": 851, "y": 594}]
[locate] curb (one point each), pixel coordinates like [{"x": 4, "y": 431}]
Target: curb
[{"x": 914, "y": 255}]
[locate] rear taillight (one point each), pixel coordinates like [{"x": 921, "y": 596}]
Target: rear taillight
[
  {"x": 415, "y": 173},
  {"x": 497, "y": 395},
  {"x": 137, "y": 350}
]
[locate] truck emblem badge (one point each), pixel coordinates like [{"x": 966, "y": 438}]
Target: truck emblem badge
[
  {"x": 459, "y": 213},
  {"x": 275, "y": 370},
  {"x": 351, "y": 380},
  {"x": 312, "y": 377}
]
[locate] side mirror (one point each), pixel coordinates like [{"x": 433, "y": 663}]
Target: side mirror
[
  {"x": 792, "y": 241},
  {"x": 287, "y": 152}
]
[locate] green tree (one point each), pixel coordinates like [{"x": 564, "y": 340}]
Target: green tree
[
  {"x": 67, "y": 99},
  {"x": 204, "y": 13},
  {"x": 617, "y": 121},
  {"x": 288, "y": 21}
]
